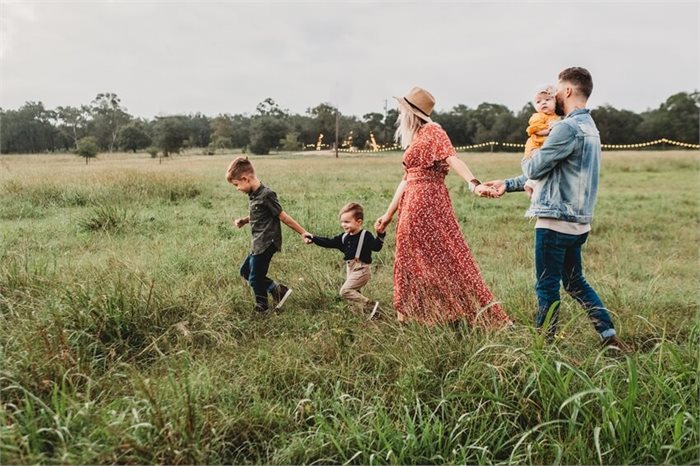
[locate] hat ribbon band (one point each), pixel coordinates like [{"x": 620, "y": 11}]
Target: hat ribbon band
[{"x": 415, "y": 108}]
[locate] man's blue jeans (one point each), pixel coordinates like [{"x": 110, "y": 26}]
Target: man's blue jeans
[
  {"x": 254, "y": 270},
  {"x": 558, "y": 259}
]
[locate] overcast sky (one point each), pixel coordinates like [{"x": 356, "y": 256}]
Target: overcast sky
[{"x": 173, "y": 57}]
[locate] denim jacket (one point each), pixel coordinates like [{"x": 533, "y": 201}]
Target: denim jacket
[{"x": 567, "y": 168}]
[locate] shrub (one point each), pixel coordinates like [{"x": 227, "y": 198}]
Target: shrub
[{"x": 87, "y": 147}]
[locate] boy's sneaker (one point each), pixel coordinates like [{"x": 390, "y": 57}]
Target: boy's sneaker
[
  {"x": 280, "y": 294},
  {"x": 261, "y": 310},
  {"x": 374, "y": 312}
]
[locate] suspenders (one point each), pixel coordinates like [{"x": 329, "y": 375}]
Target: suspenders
[{"x": 359, "y": 244}]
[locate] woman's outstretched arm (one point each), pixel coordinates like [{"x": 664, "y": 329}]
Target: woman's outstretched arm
[{"x": 474, "y": 185}]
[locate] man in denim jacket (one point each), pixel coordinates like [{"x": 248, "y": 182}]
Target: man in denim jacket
[{"x": 567, "y": 167}]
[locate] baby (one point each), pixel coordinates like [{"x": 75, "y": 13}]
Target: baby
[{"x": 539, "y": 125}]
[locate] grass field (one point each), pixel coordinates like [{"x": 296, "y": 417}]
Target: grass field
[{"x": 127, "y": 335}]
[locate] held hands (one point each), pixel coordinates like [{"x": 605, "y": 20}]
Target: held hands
[
  {"x": 382, "y": 222},
  {"x": 307, "y": 237},
  {"x": 483, "y": 190},
  {"x": 498, "y": 186}
]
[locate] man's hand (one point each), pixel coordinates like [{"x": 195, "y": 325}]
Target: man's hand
[
  {"x": 486, "y": 191},
  {"x": 240, "y": 222},
  {"x": 529, "y": 191},
  {"x": 498, "y": 185}
]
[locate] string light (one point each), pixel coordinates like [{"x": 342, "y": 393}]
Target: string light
[{"x": 513, "y": 144}]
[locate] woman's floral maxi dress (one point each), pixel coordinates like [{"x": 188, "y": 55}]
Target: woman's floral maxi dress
[{"x": 436, "y": 279}]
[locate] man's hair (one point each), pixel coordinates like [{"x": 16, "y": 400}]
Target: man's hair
[
  {"x": 357, "y": 212},
  {"x": 240, "y": 166},
  {"x": 580, "y": 78}
]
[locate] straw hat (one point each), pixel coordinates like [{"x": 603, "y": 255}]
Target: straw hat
[{"x": 420, "y": 102}]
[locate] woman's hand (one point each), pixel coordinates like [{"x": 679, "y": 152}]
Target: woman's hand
[
  {"x": 486, "y": 191},
  {"x": 382, "y": 222}
]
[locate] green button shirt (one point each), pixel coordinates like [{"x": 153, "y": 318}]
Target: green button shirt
[{"x": 264, "y": 215}]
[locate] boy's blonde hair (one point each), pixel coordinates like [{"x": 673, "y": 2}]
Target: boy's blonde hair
[
  {"x": 357, "y": 212},
  {"x": 240, "y": 166},
  {"x": 548, "y": 89}
]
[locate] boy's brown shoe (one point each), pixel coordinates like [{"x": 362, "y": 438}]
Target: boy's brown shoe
[
  {"x": 280, "y": 294},
  {"x": 614, "y": 342}
]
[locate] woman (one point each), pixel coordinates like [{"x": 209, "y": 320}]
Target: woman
[{"x": 436, "y": 279}]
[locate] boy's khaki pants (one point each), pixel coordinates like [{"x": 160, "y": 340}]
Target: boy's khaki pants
[{"x": 358, "y": 275}]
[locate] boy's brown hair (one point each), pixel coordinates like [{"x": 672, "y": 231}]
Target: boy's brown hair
[
  {"x": 240, "y": 166},
  {"x": 357, "y": 212},
  {"x": 580, "y": 78}
]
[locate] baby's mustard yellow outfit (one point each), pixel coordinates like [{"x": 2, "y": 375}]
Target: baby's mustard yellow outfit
[{"x": 538, "y": 122}]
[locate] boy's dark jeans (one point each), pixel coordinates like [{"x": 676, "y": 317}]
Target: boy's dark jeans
[
  {"x": 558, "y": 259},
  {"x": 254, "y": 270}
]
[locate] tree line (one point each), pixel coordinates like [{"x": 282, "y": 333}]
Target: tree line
[{"x": 105, "y": 125}]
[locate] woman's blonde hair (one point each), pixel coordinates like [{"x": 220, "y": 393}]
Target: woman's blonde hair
[{"x": 407, "y": 125}]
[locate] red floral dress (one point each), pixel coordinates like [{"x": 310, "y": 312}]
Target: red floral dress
[{"x": 436, "y": 279}]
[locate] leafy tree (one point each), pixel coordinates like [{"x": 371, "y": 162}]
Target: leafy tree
[
  {"x": 304, "y": 126},
  {"x": 28, "y": 129},
  {"x": 518, "y": 128},
  {"x": 133, "y": 137},
  {"x": 616, "y": 126},
  {"x": 266, "y": 132},
  {"x": 241, "y": 131},
  {"x": 87, "y": 147},
  {"x": 493, "y": 122},
  {"x": 199, "y": 129},
  {"x": 75, "y": 121},
  {"x": 456, "y": 124},
  {"x": 268, "y": 127},
  {"x": 108, "y": 116},
  {"x": 171, "y": 132},
  {"x": 269, "y": 107},
  {"x": 222, "y": 127},
  {"x": 392, "y": 115},
  {"x": 290, "y": 142},
  {"x": 676, "y": 119},
  {"x": 323, "y": 116}
]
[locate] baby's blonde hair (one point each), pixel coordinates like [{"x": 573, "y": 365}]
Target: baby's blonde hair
[{"x": 548, "y": 89}]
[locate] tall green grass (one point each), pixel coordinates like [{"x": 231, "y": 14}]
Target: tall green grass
[{"x": 126, "y": 334}]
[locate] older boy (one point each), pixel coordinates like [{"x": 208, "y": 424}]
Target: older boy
[{"x": 264, "y": 218}]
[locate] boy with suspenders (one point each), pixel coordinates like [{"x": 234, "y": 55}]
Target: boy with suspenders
[{"x": 357, "y": 244}]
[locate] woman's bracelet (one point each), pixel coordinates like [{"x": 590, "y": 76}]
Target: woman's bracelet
[{"x": 473, "y": 183}]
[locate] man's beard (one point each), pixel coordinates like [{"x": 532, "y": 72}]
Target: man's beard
[{"x": 559, "y": 108}]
